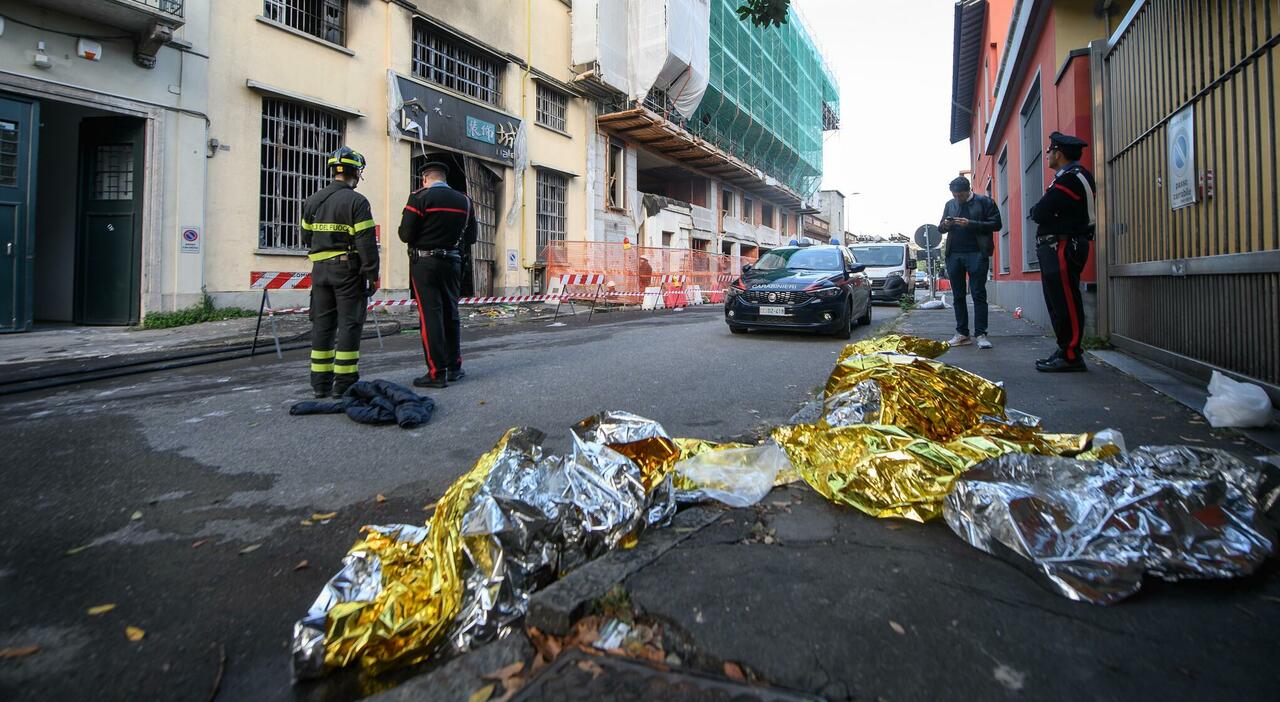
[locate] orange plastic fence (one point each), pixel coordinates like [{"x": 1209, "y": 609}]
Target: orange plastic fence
[{"x": 632, "y": 268}]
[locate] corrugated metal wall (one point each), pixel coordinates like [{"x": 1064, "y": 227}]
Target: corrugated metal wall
[{"x": 1198, "y": 286}]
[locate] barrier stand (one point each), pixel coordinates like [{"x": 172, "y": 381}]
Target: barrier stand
[
  {"x": 579, "y": 279},
  {"x": 273, "y": 280}
]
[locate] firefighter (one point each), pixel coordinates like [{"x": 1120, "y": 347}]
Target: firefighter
[
  {"x": 439, "y": 225},
  {"x": 1066, "y": 216},
  {"x": 338, "y": 230}
]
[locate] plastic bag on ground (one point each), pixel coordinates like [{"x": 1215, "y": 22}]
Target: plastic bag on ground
[
  {"x": 738, "y": 477},
  {"x": 1235, "y": 404}
]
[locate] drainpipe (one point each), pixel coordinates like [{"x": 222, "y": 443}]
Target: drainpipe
[{"x": 524, "y": 119}]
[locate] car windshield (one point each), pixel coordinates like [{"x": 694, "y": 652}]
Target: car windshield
[
  {"x": 800, "y": 260},
  {"x": 878, "y": 255}
]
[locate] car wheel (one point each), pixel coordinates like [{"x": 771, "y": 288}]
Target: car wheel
[
  {"x": 845, "y": 330},
  {"x": 865, "y": 319},
  {"x": 737, "y": 329}
]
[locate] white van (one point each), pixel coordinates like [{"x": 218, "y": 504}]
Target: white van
[{"x": 889, "y": 265}]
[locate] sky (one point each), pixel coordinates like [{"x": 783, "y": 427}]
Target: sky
[{"x": 893, "y": 63}]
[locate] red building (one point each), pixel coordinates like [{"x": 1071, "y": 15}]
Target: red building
[{"x": 1020, "y": 72}]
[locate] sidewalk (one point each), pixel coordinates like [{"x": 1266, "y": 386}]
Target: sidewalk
[{"x": 803, "y": 595}]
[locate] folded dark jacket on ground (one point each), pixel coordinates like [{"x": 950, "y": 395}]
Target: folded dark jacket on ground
[{"x": 375, "y": 402}]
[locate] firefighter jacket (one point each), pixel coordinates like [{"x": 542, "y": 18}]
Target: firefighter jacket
[
  {"x": 337, "y": 220},
  {"x": 1067, "y": 208},
  {"x": 438, "y": 217}
]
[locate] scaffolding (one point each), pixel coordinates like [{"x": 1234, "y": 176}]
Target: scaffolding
[{"x": 770, "y": 98}]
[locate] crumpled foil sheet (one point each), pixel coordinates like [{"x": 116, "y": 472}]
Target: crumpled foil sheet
[
  {"x": 1092, "y": 529},
  {"x": 924, "y": 397},
  {"x": 903, "y": 344},
  {"x": 515, "y": 522},
  {"x": 896, "y": 430}
]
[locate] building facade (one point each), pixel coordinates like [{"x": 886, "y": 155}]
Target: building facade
[
  {"x": 1174, "y": 100},
  {"x": 485, "y": 84},
  {"x": 733, "y": 172},
  {"x": 104, "y": 129},
  {"x": 1021, "y": 72}
]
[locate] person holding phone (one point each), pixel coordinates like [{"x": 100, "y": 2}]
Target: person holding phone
[{"x": 968, "y": 220}]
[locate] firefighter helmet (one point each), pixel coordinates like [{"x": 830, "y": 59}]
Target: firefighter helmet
[{"x": 346, "y": 160}]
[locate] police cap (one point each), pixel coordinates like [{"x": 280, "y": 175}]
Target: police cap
[
  {"x": 434, "y": 165},
  {"x": 1061, "y": 140}
]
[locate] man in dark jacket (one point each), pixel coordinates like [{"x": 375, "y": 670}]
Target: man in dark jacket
[
  {"x": 438, "y": 224},
  {"x": 968, "y": 220},
  {"x": 338, "y": 231},
  {"x": 1065, "y": 218}
]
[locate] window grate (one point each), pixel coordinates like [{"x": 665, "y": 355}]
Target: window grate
[
  {"x": 552, "y": 188},
  {"x": 323, "y": 19},
  {"x": 296, "y": 142},
  {"x": 444, "y": 61},
  {"x": 553, "y": 107},
  {"x": 113, "y": 172}
]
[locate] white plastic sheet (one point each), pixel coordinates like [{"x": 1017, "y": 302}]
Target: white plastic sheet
[
  {"x": 1235, "y": 404},
  {"x": 738, "y": 477}
]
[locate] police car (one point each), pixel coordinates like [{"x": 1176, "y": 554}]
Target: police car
[{"x": 815, "y": 288}]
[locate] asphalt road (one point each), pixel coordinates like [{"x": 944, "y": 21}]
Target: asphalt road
[{"x": 169, "y": 479}]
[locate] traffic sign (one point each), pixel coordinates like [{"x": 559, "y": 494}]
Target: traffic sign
[{"x": 928, "y": 236}]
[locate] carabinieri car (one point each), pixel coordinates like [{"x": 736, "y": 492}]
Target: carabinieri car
[{"x": 816, "y": 288}]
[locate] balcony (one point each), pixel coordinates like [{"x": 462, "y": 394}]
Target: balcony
[{"x": 131, "y": 15}]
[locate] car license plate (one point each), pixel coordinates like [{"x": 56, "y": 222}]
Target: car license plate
[{"x": 774, "y": 311}]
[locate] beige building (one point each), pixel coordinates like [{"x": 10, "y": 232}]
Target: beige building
[
  {"x": 487, "y": 82},
  {"x": 103, "y": 150}
]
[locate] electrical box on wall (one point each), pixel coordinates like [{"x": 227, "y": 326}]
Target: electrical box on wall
[{"x": 89, "y": 49}]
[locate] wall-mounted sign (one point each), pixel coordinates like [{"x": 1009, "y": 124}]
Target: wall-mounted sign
[
  {"x": 481, "y": 130},
  {"x": 513, "y": 259},
  {"x": 1182, "y": 159},
  {"x": 189, "y": 240},
  {"x": 451, "y": 122}
]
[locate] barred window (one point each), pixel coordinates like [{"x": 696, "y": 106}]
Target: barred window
[
  {"x": 323, "y": 19},
  {"x": 445, "y": 61},
  {"x": 553, "y": 105},
  {"x": 296, "y": 142},
  {"x": 551, "y": 208}
]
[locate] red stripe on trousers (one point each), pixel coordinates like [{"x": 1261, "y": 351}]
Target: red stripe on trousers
[
  {"x": 422, "y": 326},
  {"x": 1066, "y": 190},
  {"x": 1071, "y": 307}
]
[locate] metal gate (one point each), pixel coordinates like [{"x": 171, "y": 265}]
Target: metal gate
[
  {"x": 1196, "y": 287},
  {"x": 483, "y": 186}
]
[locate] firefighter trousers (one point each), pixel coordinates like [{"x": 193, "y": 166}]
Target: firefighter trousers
[
  {"x": 337, "y": 320},
  {"x": 1061, "y": 263},
  {"x": 437, "y": 283}
]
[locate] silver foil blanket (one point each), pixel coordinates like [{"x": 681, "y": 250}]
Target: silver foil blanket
[{"x": 1093, "y": 529}]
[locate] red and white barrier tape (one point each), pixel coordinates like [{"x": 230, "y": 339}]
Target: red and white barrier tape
[{"x": 274, "y": 280}]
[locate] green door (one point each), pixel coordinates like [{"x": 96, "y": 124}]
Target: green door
[
  {"x": 109, "y": 238},
  {"x": 17, "y": 225}
]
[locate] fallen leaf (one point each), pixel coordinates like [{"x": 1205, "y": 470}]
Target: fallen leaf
[
  {"x": 591, "y": 667},
  {"x": 136, "y": 516},
  {"x": 380, "y": 498},
  {"x": 1269, "y": 598},
  {"x": 428, "y": 508},
  {"x": 18, "y": 651},
  {"x": 133, "y": 633},
  {"x": 733, "y": 671},
  {"x": 301, "y": 565},
  {"x": 892, "y": 526},
  {"x": 200, "y": 543},
  {"x": 74, "y": 551},
  {"x": 482, "y": 402},
  {"x": 250, "y": 548},
  {"x": 505, "y": 671},
  {"x": 1194, "y": 441},
  {"x": 321, "y": 516},
  {"x": 101, "y": 609},
  {"x": 482, "y": 694},
  {"x": 306, "y": 522},
  {"x": 897, "y": 627}
]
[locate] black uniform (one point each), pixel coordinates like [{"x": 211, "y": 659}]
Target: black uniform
[
  {"x": 338, "y": 229},
  {"x": 1066, "y": 217},
  {"x": 438, "y": 224}
]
